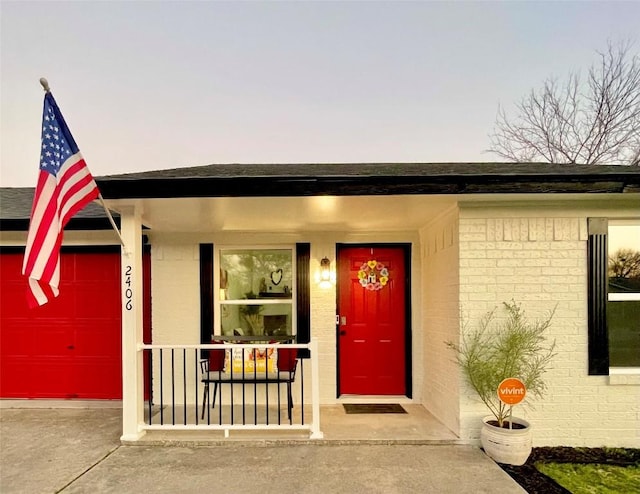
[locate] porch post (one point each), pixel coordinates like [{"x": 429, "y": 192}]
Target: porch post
[
  {"x": 131, "y": 287},
  {"x": 316, "y": 433}
]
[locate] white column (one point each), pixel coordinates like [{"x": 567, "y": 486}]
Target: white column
[
  {"x": 316, "y": 433},
  {"x": 131, "y": 282}
]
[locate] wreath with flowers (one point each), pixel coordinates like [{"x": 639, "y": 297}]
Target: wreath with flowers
[{"x": 373, "y": 275}]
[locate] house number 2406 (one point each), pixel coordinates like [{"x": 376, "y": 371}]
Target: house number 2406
[{"x": 128, "y": 292}]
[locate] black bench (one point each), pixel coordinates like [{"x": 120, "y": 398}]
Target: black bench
[{"x": 213, "y": 372}]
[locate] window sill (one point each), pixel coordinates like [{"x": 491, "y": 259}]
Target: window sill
[{"x": 624, "y": 376}]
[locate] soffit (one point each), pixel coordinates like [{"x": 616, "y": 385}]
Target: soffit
[
  {"x": 290, "y": 214},
  {"x": 353, "y": 213}
]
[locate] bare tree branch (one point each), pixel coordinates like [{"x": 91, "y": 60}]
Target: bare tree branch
[
  {"x": 592, "y": 122},
  {"x": 625, "y": 263}
]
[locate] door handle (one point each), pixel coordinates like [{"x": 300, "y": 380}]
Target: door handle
[{"x": 343, "y": 332}]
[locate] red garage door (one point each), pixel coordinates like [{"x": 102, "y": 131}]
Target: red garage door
[{"x": 70, "y": 347}]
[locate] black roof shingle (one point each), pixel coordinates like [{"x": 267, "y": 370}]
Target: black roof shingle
[{"x": 15, "y": 211}]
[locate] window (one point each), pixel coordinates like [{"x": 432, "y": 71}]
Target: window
[
  {"x": 614, "y": 294},
  {"x": 300, "y": 303},
  {"x": 623, "y": 299},
  {"x": 255, "y": 292}
]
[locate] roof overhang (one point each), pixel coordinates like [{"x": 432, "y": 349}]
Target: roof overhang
[
  {"x": 340, "y": 197},
  {"x": 286, "y": 180}
]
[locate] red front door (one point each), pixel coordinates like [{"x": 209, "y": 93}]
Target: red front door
[{"x": 372, "y": 321}]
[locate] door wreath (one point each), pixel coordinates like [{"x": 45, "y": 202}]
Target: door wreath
[{"x": 373, "y": 275}]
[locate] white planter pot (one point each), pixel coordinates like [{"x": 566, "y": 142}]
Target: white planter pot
[{"x": 510, "y": 446}]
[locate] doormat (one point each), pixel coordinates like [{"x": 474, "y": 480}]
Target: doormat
[{"x": 373, "y": 408}]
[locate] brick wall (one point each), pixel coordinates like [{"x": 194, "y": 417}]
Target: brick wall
[
  {"x": 175, "y": 302},
  {"x": 541, "y": 263},
  {"x": 440, "y": 317}
]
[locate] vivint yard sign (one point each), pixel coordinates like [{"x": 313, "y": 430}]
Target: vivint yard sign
[{"x": 511, "y": 391}]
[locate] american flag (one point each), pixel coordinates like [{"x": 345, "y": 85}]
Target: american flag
[{"x": 64, "y": 187}]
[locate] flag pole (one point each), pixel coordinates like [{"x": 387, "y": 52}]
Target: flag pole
[
  {"x": 47, "y": 89},
  {"x": 113, "y": 223},
  {"x": 45, "y": 85}
]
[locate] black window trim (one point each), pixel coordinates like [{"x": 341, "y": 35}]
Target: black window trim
[{"x": 597, "y": 258}]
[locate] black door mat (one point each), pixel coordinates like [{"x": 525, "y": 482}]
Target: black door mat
[{"x": 373, "y": 408}]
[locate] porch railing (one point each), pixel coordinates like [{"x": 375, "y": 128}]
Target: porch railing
[{"x": 243, "y": 399}]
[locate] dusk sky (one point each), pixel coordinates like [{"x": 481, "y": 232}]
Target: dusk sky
[{"x": 150, "y": 85}]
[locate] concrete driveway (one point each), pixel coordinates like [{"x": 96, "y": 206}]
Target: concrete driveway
[{"x": 79, "y": 451}]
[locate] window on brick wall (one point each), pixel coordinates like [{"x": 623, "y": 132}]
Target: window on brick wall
[
  {"x": 255, "y": 295},
  {"x": 623, "y": 298},
  {"x": 256, "y": 291},
  {"x": 614, "y": 294}
]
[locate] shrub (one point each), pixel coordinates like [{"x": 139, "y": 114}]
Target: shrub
[{"x": 496, "y": 350}]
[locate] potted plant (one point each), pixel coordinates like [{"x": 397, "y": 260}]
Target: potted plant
[{"x": 513, "y": 347}]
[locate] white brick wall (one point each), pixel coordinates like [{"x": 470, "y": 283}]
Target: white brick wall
[
  {"x": 440, "y": 317},
  {"x": 175, "y": 302},
  {"x": 540, "y": 262},
  {"x": 323, "y": 319}
]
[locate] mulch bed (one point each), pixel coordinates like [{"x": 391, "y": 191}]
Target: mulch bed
[{"x": 535, "y": 482}]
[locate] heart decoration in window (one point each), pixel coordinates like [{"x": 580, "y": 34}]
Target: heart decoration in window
[{"x": 276, "y": 276}]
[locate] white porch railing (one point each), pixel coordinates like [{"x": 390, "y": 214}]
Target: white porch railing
[{"x": 175, "y": 397}]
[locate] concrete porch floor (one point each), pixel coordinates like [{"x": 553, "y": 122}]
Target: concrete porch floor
[{"x": 417, "y": 426}]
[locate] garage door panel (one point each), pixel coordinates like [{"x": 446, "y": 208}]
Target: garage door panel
[
  {"x": 97, "y": 270},
  {"x": 50, "y": 379},
  {"x": 13, "y": 298},
  {"x": 96, "y": 340},
  {"x": 17, "y": 339},
  {"x": 58, "y": 309},
  {"x": 97, "y": 301},
  {"x": 68, "y": 266},
  {"x": 97, "y": 379},
  {"x": 15, "y": 377},
  {"x": 53, "y": 341}
]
